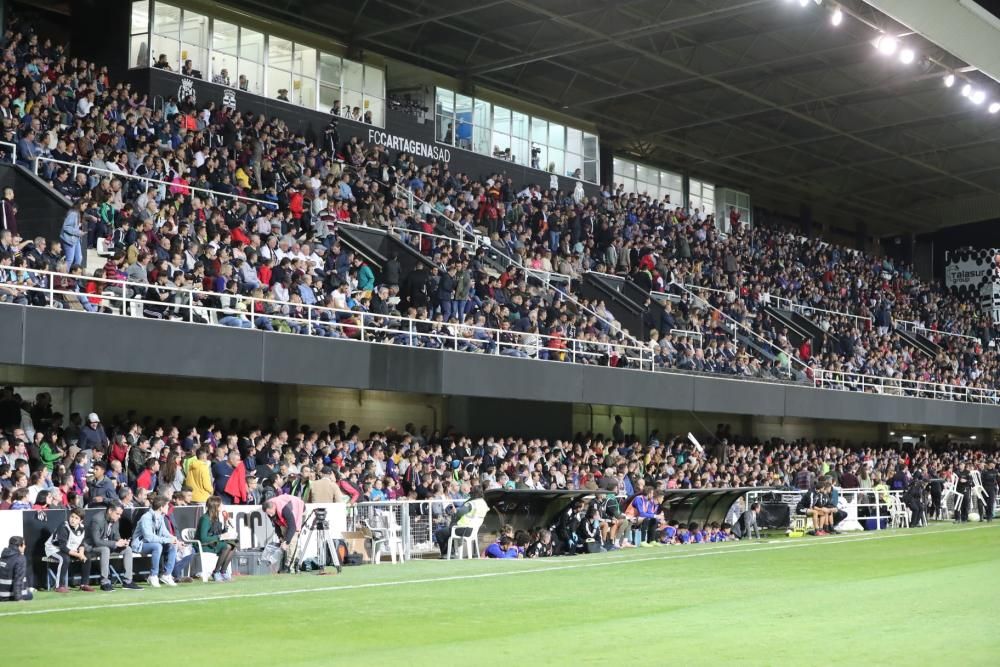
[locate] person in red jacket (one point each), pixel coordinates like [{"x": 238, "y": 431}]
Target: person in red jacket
[{"x": 296, "y": 204}]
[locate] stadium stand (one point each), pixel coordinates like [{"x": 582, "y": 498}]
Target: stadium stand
[{"x": 241, "y": 207}]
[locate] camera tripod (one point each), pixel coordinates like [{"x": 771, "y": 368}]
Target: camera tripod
[{"x": 316, "y": 527}]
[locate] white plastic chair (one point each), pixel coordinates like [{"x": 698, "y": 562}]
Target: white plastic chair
[
  {"x": 465, "y": 542},
  {"x": 206, "y": 561},
  {"x": 386, "y": 537},
  {"x": 898, "y": 513}
]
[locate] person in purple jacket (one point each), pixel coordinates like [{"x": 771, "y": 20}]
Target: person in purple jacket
[{"x": 502, "y": 549}]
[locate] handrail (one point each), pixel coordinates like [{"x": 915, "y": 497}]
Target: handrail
[
  {"x": 913, "y": 327},
  {"x": 76, "y": 166},
  {"x": 316, "y": 319},
  {"x": 848, "y": 381},
  {"x": 13, "y": 153},
  {"x": 791, "y": 358},
  {"x": 795, "y": 306}
]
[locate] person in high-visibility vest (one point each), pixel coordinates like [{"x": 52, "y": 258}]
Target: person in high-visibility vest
[{"x": 470, "y": 514}]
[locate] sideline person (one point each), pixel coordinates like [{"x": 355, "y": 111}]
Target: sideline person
[
  {"x": 286, "y": 512},
  {"x": 211, "y": 527}
]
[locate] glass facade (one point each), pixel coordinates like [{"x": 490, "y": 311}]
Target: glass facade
[
  {"x": 702, "y": 197},
  {"x": 168, "y": 36},
  {"x": 490, "y": 129},
  {"x": 645, "y": 180}
]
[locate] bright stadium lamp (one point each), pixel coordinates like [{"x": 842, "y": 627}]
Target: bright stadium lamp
[
  {"x": 837, "y": 17},
  {"x": 978, "y": 97},
  {"x": 949, "y": 80},
  {"x": 995, "y": 107},
  {"x": 907, "y": 56},
  {"x": 966, "y": 90},
  {"x": 886, "y": 45}
]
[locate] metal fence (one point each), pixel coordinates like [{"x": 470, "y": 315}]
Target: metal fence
[{"x": 417, "y": 521}]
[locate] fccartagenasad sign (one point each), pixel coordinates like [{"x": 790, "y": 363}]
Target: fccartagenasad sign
[{"x": 417, "y": 148}]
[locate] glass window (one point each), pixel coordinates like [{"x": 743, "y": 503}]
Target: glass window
[
  {"x": 556, "y": 161},
  {"x": 196, "y": 54},
  {"x": 254, "y": 73},
  {"x": 574, "y": 164},
  {"x": 278, "y": 80},
  {"x": 519, "y": 151},
  {"x": 329, "y": 70},
  {"x": 224, "y": 68},
  {"x": 139, "y": 50},
  {"x": 501, "y": 120},
  {"x": 463, "y": 121},
  {"x": 140, "y": 17},
  {"x": 557, "y": 136},
  {"x": 251, "y": 45},
  {"x": 169, "y": 48},
  {"x": 376, "y": 107},
  {"x": 539, "y": 156},
  {"x": 225, "y": 38},
  {"x": 519, "y": 127},
  {"x": 501, "y": 144},
  {"x": 590, "y": 146},
  {"x": 574, "y": 141},
  {"x": 304, "y": 90},
  {"x": 351, "y": 99},
  {"x": 305, "y": 63},
  {"x": 644, "y": 174},
  {"x": 445, "y": 113},
  {"x": 539, "y": 131},
  {"x": 354, "y": 75},
  {"x": 194, "y": 29},
  {"x": 374, "y": 82},
  {"x": 279, "y": 54},
  {"x": 166, "y": 20},
  {"x": 328, "y": 96}
]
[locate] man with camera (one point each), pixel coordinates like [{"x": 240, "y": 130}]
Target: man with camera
[{"x": 286, "y": 512}]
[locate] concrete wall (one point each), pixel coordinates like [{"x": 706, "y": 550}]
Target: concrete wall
[{"x": 237, "y": 362}]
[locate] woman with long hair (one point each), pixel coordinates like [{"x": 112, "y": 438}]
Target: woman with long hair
[
  {"x": 171, "y": 474},
  {"x": 211, "y": 526}
]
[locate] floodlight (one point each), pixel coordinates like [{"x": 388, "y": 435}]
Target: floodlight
[
  {"x": 886, "y": 45},
  {"x": 978, "y": 97},
  {"x": 803, "y": 3},
  {"x": 966, "y": 90},
  {"x": 995, "y": 107},
  {"x": 907, "y": 56},
  {"x": 949, "y": 81},
  {"x": 838, "y": 17}
]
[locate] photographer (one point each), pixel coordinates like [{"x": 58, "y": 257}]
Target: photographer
[{"x": 285, "y": 512}]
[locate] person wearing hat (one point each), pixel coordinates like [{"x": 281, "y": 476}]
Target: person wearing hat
[
  {"x": 283, "y": 94},
  {"x": 92, "y": 434}
]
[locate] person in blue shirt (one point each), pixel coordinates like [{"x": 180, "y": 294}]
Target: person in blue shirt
[
  {"x": 645, "y": 510},
  {"x": 366, "y": 277},
  {"x": 502, "y": 549},
  {"x": 697, "y": 536},
  {"x": 670, "y": 533}
]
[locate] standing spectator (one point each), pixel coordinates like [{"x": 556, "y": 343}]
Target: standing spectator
[
  {"x": 14, "y": 572},
  {"x": 198, "y": 477},
  {"x": 92, "y": 435},
  {"x": 8, "y": 215},
  {"x": 72, "y": 233},
  {"x": 102, "y": 539}
]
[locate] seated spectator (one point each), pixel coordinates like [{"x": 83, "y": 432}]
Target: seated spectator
[
  {"x": 103, "y": 539},
  {"x": 211, "y": 527},
  {"x": 66, "y": 544},
  {"x": 151, "y": 537},
  {"x": 812, "y": 505},
  {"x": 163, "y": 63}
]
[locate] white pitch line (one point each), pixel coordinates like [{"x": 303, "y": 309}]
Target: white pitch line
[{"x": 484, "y": 575}]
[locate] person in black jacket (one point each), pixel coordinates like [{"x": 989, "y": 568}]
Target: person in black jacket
[
  {"x": 964, "y": 486},
  {"x": 990, "y": 478},
  {"x": 14, "y": 572}
]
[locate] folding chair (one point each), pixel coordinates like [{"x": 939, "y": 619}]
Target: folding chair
[{"x": 206, "y": 561}]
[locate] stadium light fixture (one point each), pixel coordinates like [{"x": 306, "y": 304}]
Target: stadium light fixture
[
  {"x": 886, "y": 45},
  {"x": 994, "y": 107},
  {"x": 966, "y": 90},
  {"x": 907, "y": 56},
  {"x": 837, "y": 17},
  {"x": 803, "y": 3},
  {"x": 949, "y": 80},
  {"x": 978, "y": 97}
]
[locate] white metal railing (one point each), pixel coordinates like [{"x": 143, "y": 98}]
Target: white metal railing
[
  {"x": 792, "y": 359},
  {"x": 13, "y": 150},
  {"x": 121, "y": 297},
  {"x": 846, "y": 381},
  {"x": 913, "y": 327},
  {"x": 77, "y": 167},
  {"x": 803, "y": 309},
  {"x": 859, "y": 505}
]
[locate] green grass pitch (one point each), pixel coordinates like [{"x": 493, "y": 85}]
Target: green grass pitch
[{"x": 920, "y": 597}]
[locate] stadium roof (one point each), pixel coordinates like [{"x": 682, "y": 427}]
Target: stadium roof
[{"x": 760, "y": 94}]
